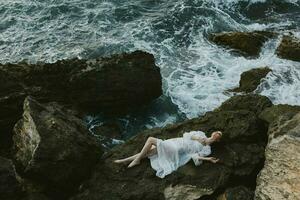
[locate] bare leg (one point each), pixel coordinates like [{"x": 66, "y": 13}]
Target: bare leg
[
  {"x": 124, "y": 160},
  {"x": 131, "y": 158},
  {"x": 147, "y": 147}
]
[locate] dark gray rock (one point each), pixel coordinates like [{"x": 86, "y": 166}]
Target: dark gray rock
[
  {"x": 237, "y": 193},
  {"x": 252, "y": 102},
  {"x": 289, "y": 48},
  {"x": 112, "y": 85},
  {"x": 10, "y": 188},
  {"x": 241, "y": 153},
  {"x": 251, "y": 79},
  {"x": 245, "y": 43},
  {"x": 53, "y": 147},
  {"x": 270, "y": 114}
]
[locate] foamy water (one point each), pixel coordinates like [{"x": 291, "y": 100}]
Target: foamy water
[{"x": 195, "y": 71}]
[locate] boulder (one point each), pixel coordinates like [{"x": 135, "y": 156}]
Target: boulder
[
  {"x": 289, "y": 48},
  {"x": 104, "y": 84},
  {"x": 247, "y": 44},
  {"x": 252, "y": 102},
  {"x": 53, "y": 147},
  {"x": 251, "y": 79},
  {"x": 280, "y": 178},
  {"x": 241, "y": 154},
  {"x": 111, "y": 85},
  {"x": 11, "y": 100},
  {"x": 271, "y": 113},
  {"x": 10, "y": 188}
]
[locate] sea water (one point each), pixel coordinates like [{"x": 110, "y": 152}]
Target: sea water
[{"x": 195, "y": 71}]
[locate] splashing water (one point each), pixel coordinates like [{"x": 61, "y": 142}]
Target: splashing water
[{"x": 195, "y": 71}]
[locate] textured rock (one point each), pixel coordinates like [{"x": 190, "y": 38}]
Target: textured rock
[
  {"x": 10, "y": 188},
  {"x": 289, "y": 48},
  {"x": 108, "y": 129},
  {"x": 112, "y": 85},
  {"x": 241, "y": 153},
  {"x": 109, "y": 134},
  {"x": 237, "y": 193},
  {"x": 271, "y": 113},
  {"x": 53, "y": 147},
  {"x": 245, "y": 43},
  {"x": 105, "y": 83},
  {"x": 251, "y": 79},
  {"x": 11, "y": 101},
  {"x": 280, "y": 177},
  {"x": 179, "y": 192},
  {"x": 252, "y": 102}
]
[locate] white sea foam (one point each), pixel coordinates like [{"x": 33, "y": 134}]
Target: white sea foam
[{"x": 195, "y": 71}]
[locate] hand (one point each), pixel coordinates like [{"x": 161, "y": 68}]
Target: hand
[{"x": 213, "y": 159}]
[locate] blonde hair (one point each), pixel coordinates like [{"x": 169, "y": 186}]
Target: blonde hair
[{"x": 219, "y": 132}]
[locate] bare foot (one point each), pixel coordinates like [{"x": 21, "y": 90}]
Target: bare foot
[
  {"x": 118, "y": 161},
  {"x": 133, "y": 163}
]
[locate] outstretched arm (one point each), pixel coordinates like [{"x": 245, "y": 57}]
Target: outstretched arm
[{"x": 211, "y": 159}]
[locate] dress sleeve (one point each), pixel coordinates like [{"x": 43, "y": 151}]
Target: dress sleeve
[
  {"x": 206, "y": 151},
  {"x": 195, "y": 159},
  {"x": 188, "y": 135}
]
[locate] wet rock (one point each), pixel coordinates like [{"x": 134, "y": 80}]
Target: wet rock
[
  {"x": 117, "y": 84},
  {"x": 111, "y": 85},
  {"x": 35, "y": 191},
  {"x": 237, "y": 193},
  {"x": 11, "y": 101},
  {"x": 107, "y": 129},
  {"x": 289, "y": 48},
  {"x": 252, "y": 102},
  {"x": 251, "y": 79},
  {"x": 280, "y": 178},
  {"x": 104, "y": 84},
  {"x": 270, "y": 114},
  {"x": 10, "y": 188},
  {"x": 108, "y": 133},
  {"x": 53, "y": 147},
  {"x": 245, "y": 43},
  {"x": 241, "y": 154}
]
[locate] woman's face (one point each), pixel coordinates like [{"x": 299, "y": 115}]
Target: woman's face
[{"x": 216, "y": 135}]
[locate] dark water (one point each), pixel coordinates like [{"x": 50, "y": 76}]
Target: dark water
[{"x": 195, "y": 72}]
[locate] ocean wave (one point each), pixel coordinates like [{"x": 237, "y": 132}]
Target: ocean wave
[{"x": 195, "y": 72}]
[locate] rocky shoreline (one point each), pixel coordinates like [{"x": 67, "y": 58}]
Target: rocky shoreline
[{"x": 47, "y": 152}]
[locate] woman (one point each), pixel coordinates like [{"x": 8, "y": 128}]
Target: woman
[{"x": 167, "y": 155}]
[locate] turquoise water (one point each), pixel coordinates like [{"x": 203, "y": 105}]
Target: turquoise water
[{"x": 195, "y": 71}]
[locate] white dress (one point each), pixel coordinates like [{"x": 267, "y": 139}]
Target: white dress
[{"x": 175, "y": 152}]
